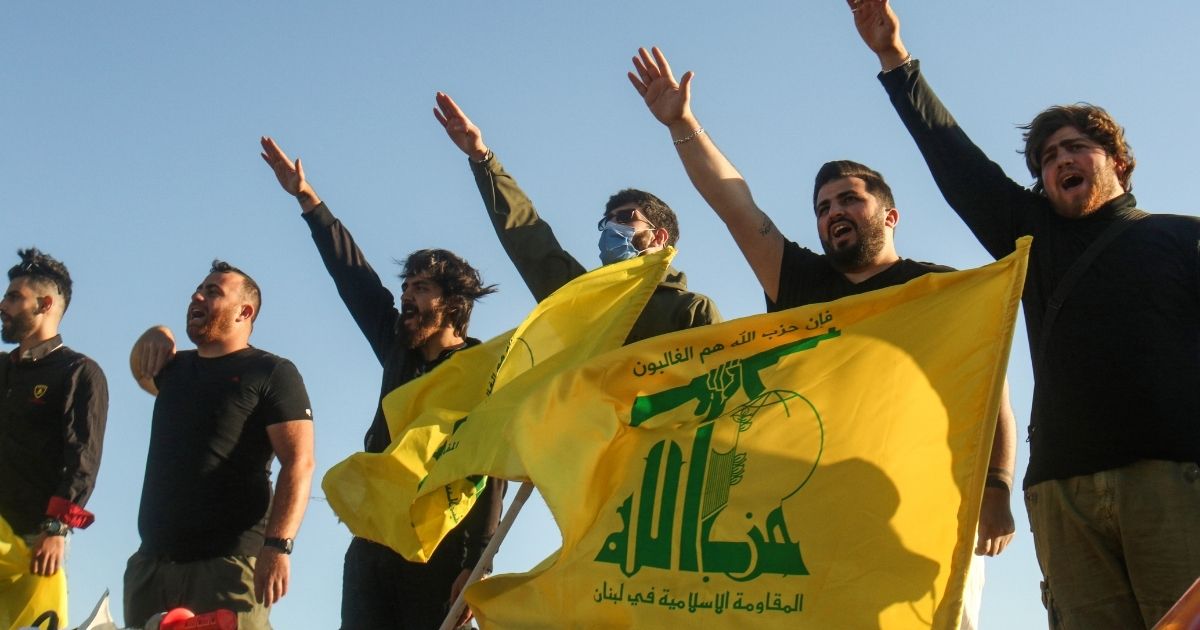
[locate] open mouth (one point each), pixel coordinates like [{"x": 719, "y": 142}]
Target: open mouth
[
  {"x": 408, "y": 311},
  {"x": 841, "y": 228},
  {"x": 195, "y": 315},
  {"x": 1070, "y": 182}
]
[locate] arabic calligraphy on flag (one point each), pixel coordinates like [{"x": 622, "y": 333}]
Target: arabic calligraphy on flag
[{"x": 820, "y": 467}]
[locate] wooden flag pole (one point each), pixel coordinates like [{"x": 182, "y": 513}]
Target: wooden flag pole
[{"x": 489, "y": 552}]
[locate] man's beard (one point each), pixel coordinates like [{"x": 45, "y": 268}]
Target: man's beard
[
  {"x": 215, "y": 327},
  {"x": 864, "y": 250},
  {"x": 17, "y": 327},
  {"x": 427, "y": 324}
]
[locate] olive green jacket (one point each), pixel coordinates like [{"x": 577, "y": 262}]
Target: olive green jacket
[{"x": 545, "y": 266}]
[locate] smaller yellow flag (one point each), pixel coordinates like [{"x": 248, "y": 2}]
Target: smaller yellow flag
[
  {"x": 27, "y": 599},
  {"x": 413, "y": 494}
]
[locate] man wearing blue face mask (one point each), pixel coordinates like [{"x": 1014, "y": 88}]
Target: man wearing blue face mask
[{"x": 634, "y": 223}]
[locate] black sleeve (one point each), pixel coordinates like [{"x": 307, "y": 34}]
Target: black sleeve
[
  {"x": 527, "y": 239},
  {"x": 284, "y": 397},
  {"x": 371, "y": 305},
  {"x": 481, "y": 522},
  {"x": 83, "y": 432},
  {"x": 795, "y": 280},
  {"x": 995, "y": 208}
]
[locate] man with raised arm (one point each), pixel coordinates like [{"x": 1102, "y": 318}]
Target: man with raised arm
[
  {"x": 214, "y": 536},
  {"x": 52, "y": 414},
  {"x": 856, "y": 221},
  {"x": 635, "y": 222},
  {"x": 380, "y": 589},
  {"x": 1112, "y": 305}
]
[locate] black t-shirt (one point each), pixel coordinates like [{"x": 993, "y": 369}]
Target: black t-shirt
[
  {"x": 806, "y": 277},
  {"x": 207, "y": 490}
]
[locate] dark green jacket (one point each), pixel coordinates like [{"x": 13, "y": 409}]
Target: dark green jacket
[{"x": 545, "y": 266}]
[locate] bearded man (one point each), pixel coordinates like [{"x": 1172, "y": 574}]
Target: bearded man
[
  {"x": 52, "y": 416},
  {"x": 213, "y": 536},
  {"x": 380, "y": 589},
  {"x": 856, "y": 224}
]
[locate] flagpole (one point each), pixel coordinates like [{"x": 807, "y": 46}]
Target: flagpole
[{"x": 488, "y": 553}]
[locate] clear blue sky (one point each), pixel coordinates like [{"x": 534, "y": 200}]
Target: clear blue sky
[{"x": 128, "y": 148}]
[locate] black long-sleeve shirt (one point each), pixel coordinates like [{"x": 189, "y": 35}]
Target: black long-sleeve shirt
[
  {"x": 373, "y": 308},
  {"x": 53, "y": 410},
  {"x": 1118, "y": 379}
]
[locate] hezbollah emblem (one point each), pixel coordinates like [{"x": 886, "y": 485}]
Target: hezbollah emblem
[
  {"x": 40, "y": 390},
  {"x": 717, "y": 530}
]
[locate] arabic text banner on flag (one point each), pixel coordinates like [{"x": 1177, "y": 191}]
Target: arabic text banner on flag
[
  {"x": 820, "y": 467},
  {"x": 376, "y": 494},
  {"x": 26, "y": 598}
]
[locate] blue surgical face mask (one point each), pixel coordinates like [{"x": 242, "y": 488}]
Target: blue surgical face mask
[{"x": 616, "y": 243}]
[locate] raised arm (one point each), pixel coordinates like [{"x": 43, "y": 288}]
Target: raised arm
[
  {"x": 293, "y": 445},
  {"x": 994, "y": 207},
  {"x": 370, "y": 303},
  {"x": 528, "y": 240},
  {"x": 290, "y": 174},
  {"x": 150, "y": 353},
  {"x": 721, "y": 185}
]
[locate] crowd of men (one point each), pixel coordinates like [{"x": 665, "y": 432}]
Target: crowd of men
[{"x": 1113, "y": 484}]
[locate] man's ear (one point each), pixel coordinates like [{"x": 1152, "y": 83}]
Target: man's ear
[
  {"x": 661, "y": 237},
  {"x": 247, "y": 312},
  {"x": 44, "y": 303},
  {"x": 891, "y": 217},
  {"x": 1121, "y": 167}
]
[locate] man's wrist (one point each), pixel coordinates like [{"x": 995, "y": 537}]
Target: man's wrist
[
  {"x": 308, "y": 199},
  {"x": 282, "y": 545},
  {"x": 54, "y": 527},
  {"x": 999, "y": 479},
  {"x": 893, "y": 59},
  {"x": 479, "y": 156}
]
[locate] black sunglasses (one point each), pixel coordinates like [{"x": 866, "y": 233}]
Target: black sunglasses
[{"x": 624, "y": 216}]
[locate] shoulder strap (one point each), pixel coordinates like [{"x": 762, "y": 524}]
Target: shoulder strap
[{"x": 1123, "y": 222}]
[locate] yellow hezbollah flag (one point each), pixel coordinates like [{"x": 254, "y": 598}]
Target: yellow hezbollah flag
[
  {"x": 26, "y": 598},
  {"x": 375, "y": 494},
  {"x": 820, "y": 467}
]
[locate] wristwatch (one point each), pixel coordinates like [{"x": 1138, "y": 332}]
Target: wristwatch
[
  {"x": 54, "y": 527},
  {"x": 282, "y": 544}
]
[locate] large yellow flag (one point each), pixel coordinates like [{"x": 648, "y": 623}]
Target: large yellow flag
[
  {"x": 820, "y": 467},
  {"x": 376, "y": 494},
  {"x": 25, "y": 598}
]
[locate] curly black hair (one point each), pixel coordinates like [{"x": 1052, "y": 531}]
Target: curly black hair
[{"x": 461, "y": 283}]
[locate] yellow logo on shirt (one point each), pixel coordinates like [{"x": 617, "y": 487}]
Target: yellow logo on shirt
[{"x": 40, "y": 390}]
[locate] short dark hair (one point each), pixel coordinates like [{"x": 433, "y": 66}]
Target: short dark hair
[
  {"x": 249, "y": 286},
  {"x": 656, "y": 210},
  {"x": 840, "y": 169},
  {"x": 461, "y": 283},
  {"x": 43, "y": 268},
  {"x": 1093, "y": 122}
]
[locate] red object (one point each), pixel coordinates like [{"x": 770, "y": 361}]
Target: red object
[
  {"x": 69, "y": 513},
  {"x": 1185, "y": 614},
  {"x": 184, "y": 619}
]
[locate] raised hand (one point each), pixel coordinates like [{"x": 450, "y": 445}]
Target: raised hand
[
  {"x": 463, "y": 133},
  {"x": 879, "y": 28},
  {"x": 668, "y": 100},
  {"x": 290, "y": 174}
]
